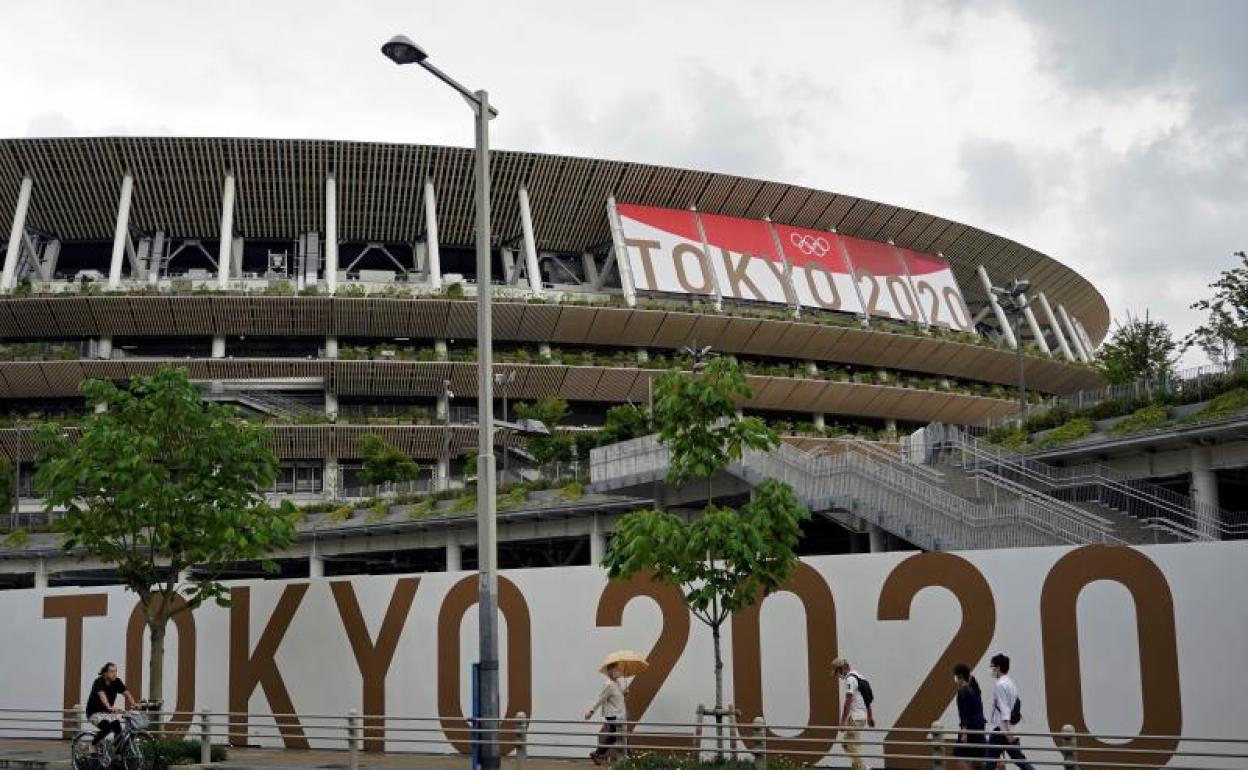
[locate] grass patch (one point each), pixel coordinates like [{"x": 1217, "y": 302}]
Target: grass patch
[
  {"x": 1069, "y": 431},
  {"x": 378, "y": 511},
  {"x": 573, "y": 490},
  {"x": 421, "y": 509},
  {"x": 1225, "y": 405},
  {"x": 465, "y": 504},
  {"x": 513, "y": 498},
  {"x": 341, "y": 513},
  {"x": 1153, "y": 416}
]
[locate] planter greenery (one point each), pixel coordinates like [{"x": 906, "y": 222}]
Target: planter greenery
[
  {"x": 1067, "y": 432},
  {"x": 183, "y": 752},
  {"x": 1147, "y": 418}
]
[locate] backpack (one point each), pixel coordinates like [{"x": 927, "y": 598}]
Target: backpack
[
  {"x": 1016, "y": 713},
  {"x": 864, "y": 689}
]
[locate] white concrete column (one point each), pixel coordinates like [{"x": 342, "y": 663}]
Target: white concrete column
[
  {"x": 890, "y": 427},
  {"x": 1072, "y": 335},
  {"x": 431, "y": 236},
  {"x": 316, "y": 563},
  {"x": 41, "y": 575},
  {"x": 812, "y": 368},
  {"x": 331, "y": 481},
  {"x": 819, "y": 419},
  {"x": 121, "y": 231},
  {"x": 218, "y": 346},
  {"x": 331, "y": 234},
  {"x": 331, "y": 405},
  {"x": 597, "y": 542},
  {"x": 1056, "y": 327},
  {"x": 590, "y": 268},
  {"x": 544, "y": 351},
  {"x": 443, "y": 406},
  {"x": 627, "y": 284},
  {"x": 876, "y": 538},
  {"x": 1205, "y": 493},
  {"x": 643, "y": 356},
  {"x": 442, "y": 474},
  {"x": 225, "y": 257},
  {"x": 331, "y": 346},
  {"x": 1084, "y": 337},
  {"x": 530, "y": 243},
  {"x": 439, "y": 350},
  {"x": 1007, "y": 331},
  {"x": 1034, "y": 325},
  {"x": 16, "y": 234},
  {"x": 104, "y": 347},
  {"x": 454, "y": 555}
]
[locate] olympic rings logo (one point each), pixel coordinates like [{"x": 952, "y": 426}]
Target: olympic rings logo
[{"x": 816, "y": 246}]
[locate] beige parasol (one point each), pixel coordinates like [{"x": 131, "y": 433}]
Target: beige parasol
[{"x": 629, "y": 662}]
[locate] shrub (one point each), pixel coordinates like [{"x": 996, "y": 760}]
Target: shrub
[
  {"x": 378, "y": 511},
  {"x": 513, "y": 498},
  {"x": 464, "y": 504},
  {"x": 684, "y": 762},
  {"x": 1067, "y": 432},
  {"x": 1221, "y": 407},
  {"x": 170, "y": 751},
  {"x": 341, "y": 513},
  {"x": 17, "y": 538},
  {"x": 1153, "y": 416},
  {"x": 421, "y": 509},
  {"x": 573, "y": 490}
]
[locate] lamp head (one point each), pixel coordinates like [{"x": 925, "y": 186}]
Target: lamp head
[{"x": 401, "y": 50}]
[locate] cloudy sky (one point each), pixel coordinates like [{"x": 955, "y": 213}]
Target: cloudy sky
[{"x": 1111, "y": 135}]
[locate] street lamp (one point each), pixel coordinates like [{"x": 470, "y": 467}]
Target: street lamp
[
  {"x": 401, "y": 50},
  {"x": 1013, "y": 300}
]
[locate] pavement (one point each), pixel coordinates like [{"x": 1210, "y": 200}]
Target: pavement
[{"x": 47, "y": 754}]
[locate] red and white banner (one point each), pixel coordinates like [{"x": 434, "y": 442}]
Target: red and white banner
[
  {"x": 754, "y": 261},
  {"x": 821, "y": 278}
]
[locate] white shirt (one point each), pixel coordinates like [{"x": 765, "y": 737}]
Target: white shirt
[
  {"x": 857, "y": 706},
  {"x": 1004, "y": 695},
  {"x": 611, "y": 701}
]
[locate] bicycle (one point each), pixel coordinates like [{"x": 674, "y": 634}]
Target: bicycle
[{"x": 133, "y": 749}]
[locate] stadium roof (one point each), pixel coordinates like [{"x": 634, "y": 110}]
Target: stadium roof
[{"x": 280, "y": 194}]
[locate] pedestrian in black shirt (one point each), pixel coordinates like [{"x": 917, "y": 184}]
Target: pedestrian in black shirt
[
  {"x": 971, "y": 737},
  {"x": 102, "y": 703}
]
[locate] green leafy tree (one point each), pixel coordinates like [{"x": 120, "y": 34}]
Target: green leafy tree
[
  {"x": 1140, "y": 349},
  {"x": 625, "y": 422},
  {"x": 159, "y": 485},
  {"x": 384, "y": 463},
  {"x": 1225, "y": 330},
  {"x": 723, "y": 560},
  {"x": 557, "y": 447}
]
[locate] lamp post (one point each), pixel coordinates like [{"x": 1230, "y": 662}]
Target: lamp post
[
  {"x": 401, "y": 50},
  {"x": 1013, "y": 300}
]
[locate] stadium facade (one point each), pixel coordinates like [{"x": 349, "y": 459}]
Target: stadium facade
[{"x": 328, "y": 289}]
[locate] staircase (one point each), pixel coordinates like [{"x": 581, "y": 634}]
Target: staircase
[
  {"x": 916, "y": 503},
  {"x": 265, "y": 401},
  {"x": 1141, "y": 512}
]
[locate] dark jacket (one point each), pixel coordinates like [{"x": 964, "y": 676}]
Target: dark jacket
[{"x": 971, "y": 706}]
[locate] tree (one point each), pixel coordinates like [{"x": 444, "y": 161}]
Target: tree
[
  {"x": 1140, "y": 349},
  {"x": 555, "y": 447},
  {"x": 723, "y": 560},
  {"x": 624, "y": 422},
  {"x": 160, "y": 484},
  {"x": 1225, "y": 330},
  {"x": 385, "y": 463}
]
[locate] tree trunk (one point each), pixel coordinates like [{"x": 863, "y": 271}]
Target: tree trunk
[
  {"x": 156, "y": 664},
  {"x": 719, "y": 694}
]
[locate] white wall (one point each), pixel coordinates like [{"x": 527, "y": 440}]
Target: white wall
[{"x": 316, "y": 663}]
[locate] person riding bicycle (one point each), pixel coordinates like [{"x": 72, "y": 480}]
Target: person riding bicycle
[{"x": 102, "y": 708}]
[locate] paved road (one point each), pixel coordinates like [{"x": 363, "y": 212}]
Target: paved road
[{"x": 25, "y": 754}]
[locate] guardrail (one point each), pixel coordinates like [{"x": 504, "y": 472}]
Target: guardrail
[
  {"x": 725, "y": 733},
  {"x": 1178, "y": 515},
  {"x": 899, "y": 497}
]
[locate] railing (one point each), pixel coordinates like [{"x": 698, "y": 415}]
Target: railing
[
  {"x": 1154, "y": 506},
  {"x": 891, "y": 495},
  {"x": 734, "y": 736},
  {"x": 390, "y": 489}
]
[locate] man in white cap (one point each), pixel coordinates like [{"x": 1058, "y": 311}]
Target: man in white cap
[{"x": 856, "y": 712}]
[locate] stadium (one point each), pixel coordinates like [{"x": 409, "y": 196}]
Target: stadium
[{"x": 327, "y": 289}]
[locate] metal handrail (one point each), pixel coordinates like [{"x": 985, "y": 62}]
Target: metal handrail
[
  {"x": 891, "y": 495},
  {"x": 705, "y": 737},
  {"x": 1156, "y": 506}
]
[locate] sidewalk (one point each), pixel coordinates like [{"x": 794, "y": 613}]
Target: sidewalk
[{"x": 29, "y": 754}]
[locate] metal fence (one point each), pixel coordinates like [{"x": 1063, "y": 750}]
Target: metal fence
[
  {"x": 1168, "y": 511},
  {"x": 900, "y": 498},
  {"x": 734, "y": 736}
]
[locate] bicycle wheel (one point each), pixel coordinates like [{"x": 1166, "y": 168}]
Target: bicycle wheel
[
  {"x": 140, "y": 752},
  {"x": 80, "y": 751}
]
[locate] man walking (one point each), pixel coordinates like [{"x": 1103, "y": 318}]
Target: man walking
[
  {"x": 1006, "y": 712},
  {"x": 856, "y": 713}
]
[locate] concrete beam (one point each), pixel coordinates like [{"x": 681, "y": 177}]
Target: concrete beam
[
  {"x": 121, "y": 231},
  {"x": 16, "y": 233}
]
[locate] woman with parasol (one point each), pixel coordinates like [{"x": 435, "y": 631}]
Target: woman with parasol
[{"x": 611, "y": 700}]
